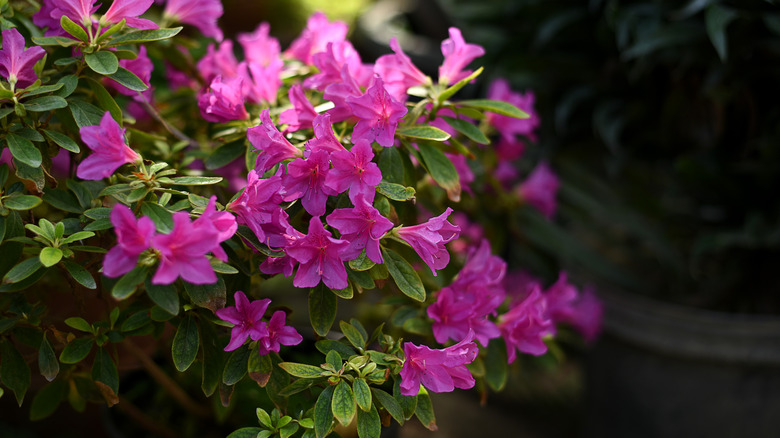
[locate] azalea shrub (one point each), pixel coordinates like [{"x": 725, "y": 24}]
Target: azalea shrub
[{"x": 159, "y": 190}]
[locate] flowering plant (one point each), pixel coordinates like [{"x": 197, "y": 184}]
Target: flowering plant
[{"x": 206, "y": 206}]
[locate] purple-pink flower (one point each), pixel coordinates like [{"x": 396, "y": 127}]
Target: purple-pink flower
[
  {"x": 319, "y": 255},
  {"x": 271, "y": 144},
  {"x": 457, "y": 55},
  {"x": 438, "y": 370},
  {"x": 540, "y": 189},
  {"x": 362, "y": 226},
  {"x": 324, "y": 138},
  {"x": 337, "y": 55},
  {"x": 224, "y": 101},
  {"x": 132, "y": 238},
  {"x": 246, "y": 318},
  {"x": 278, "y": 335},
  {"x": 378, "y": 114},
  {"x": 202, "y": 14},
  {"x": 129, "y": 10},
  {"x": 80, "y": 11},
  {"x": 566, "y": 304},
  {"x": 339, "y": 92},
  {"x": 16, "y": 62},
  {"x": 258, "y": 208},
  {"x": 141, "y": 66},
  {"x": 261, "y": 83},
  {"x": 525, "y": 326},
  {"x": 354, "y": 170},
  {"x": 218, "y": 61},
  {"x": 315, "y": 38},
  {"x": 221, "y": 221},
  {"x": 109, "y": 150},
  {"x": 509, "y": 127},
  {"x": 428, "y": 240},
  {"x": 259, "y": 47},
  {"x": 301, "y": 115},
  {"x": 305, "y": 179},
  {"x": 183, "y": 252},
  {"x": 398, "y": 72}
]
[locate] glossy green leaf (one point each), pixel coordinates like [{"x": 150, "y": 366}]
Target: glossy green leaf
[
  {"x": 347, "y": 293},
  {"x": 424, "y": 411},
  {"x": 74, "y": 29},
  {"x": 408, "y": 403},
  {"x": 404, "y": 275},
  {"x": 208, "y": 296},
  {"x": 468, "y": 129},
  {"x": 48, "y": 399},
  {"x": 104, "y": 370},
  {"x": 103, "y": 62},
  {"x": 79, "y": 323},
  {"x": 185, "y": 343},
  {"x": 495, "y": 106},
  {"x": 391, "y": 165},
  {"x": 423, "y": 132},
  {"x": 390, "y": 404},
  {"x": 136, "y": 321},
  {"x": 129, "y": 282},
  {"x": 343, "y": 404},
  {"x": 23, "y": 150},
  {"x": 213, "y": 359},
  {"x": 362, "y": 394},
  {"x": 369, "y": 425},
  {"x": 353, "y": 335},
  {"x": 162, "y": 218},
  {"x": 105, "y": 100},
  {"x": 449, "y": 92},
  {"x": 301, "y": 370},
  {"x": 45, "y": 103},
  {"x": 196, "y": 180},
  {"x": 128, "y": 79},
  {"x": 54, "y": 41},
  {"x": 84, "y": 113},
  {"x": 143, "y": 36},
  {"x": 325, "y": 346},
  {"x": 76, "y": 350},
  {"x": 21, "y": 202},
  {"x": 361, "y": 263},
  {"x": 226, "y": 154},
  {"x": 441, "y": 169},
  {"x": 69, "y": 84},
  {"x": 395, "y": 192},
  {"x": 322, "y": 309},
  {"x": 62, "y": 200},
  {"x": 236, "y": 366},
  {"x": 496, "y": 369},
  {"x": 323, "y": 417},
  {"x": 164, "y": 295},
  {"x": 14, "y": 372},
  {"x": 62, "y": 141},
  {"x": 23, "y": 270},
  {"x": 50, "y": 256},
  {"x": 47, "y": 360},
  {"x": 246, "y": 432}
]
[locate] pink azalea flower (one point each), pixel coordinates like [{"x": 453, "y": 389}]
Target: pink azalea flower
[
  {"x": 246, "y": 318},
  {"x": 132, "y": 238},
  {"x": 261, "y": 84},
  {"x": 129, "y": 10},
  {"x": 507, "y": 126},
  {"x": 80, "y": 11},
  {"x": 224, "y": 101},
  {"x": 315, "y": 38},
  {"x": 378, "y": 114},
  {"x": 202, "y": 14},
  {"x": 457, "y": 55},
  {"x": 16, "y": 63},
  {"x": 339, "y": 92},
  {"x": 320, "y": 257},
  {"x": 259, "y": 47},
  {"x": 278, "y": 265},
  {"x": 183, "y": 252},
  {"x": 301, "y": 115},
  {"x": 109, "y": 150},
  {"x": 336, "y": 56},
  {"x": 278, "y": 335},
  {"x": 354, "y": 170},
  {"x": 525, "y": 325},
  {"x": 362, "y": 226},
  {"x": 588, "y": 315},
  {"x": 398, "y": 72},
  {"x": 271, "y": 144},
  {"x": 438, "y": 370},
  {"x": 48, "y": 17},
  {"x": 540, "y": 189},
  {"x": 221, "y": 221},
  {"x": 428, "y": 240},
  {"x": 324, "y": 138},
  {"x": 218, "y": 62},
  {"x": 258, "y": 208},
  {"x": 306, "y": 179},
  {"x": 509, "y": 150},
  {"x": 141, "y": 66},
  {"x": 565, "y": 304},
  {"x": 465, "y": 174}
]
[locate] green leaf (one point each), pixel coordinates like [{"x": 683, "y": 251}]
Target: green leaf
[
  {"x": 74, "y": 29},
  {"x": 62, "y": 200},
  {"x": 449, "y": 92},
  {"x": 322, "y": 309},
  {"x": 129, "y": 282},
  {"x": 45, "y": 103},
  {"x": 236, "y": 366},
  {"x": 138, "y": 194},
  {"x": 185, "y": 344},
  {"x": 288, "y": 430},
  {"x": 54, "y": 41},
  {"x": 390, "y": 404},
  {"x": 42, "y": 90},
  {"x": 50, "y": 256},
  {"x": 21, "y": 202},
  {"x": 143, "y": 36},
  {"x": 4, "y": 112},
  {"x": 213, "y": 359},
  {"x": 164, "y": 295},
  {"x": 362, "y": 394},
  {"x": 301, "y": 370},
  {"x": 105, "y": 100},
  {"x": 76, "y": 350},
  {"x": 196, "y": 180},
  {"x": 424, "y": 411},
  {"x": 347, "y": 293},
  {"x": 162, "y": 218},
  {"x": 353, "y": 335},
  {"x": 80, "y": 274},
  {"x": 264, "y": 418},
  {"x": 396, "y": 192},
  {"x": 47, "y": 360},
  {"x": 104, "y": 370},
  {"x": 85, "y": 114},
  {"x": 361, "y": 263},
  {"x": 47, "y": 400},
  {"x": 404, "y": 275},
  {"x": 495, "y": 106},
  {"x": 14, "y": 372},
  {"x": 246, "y": 432},
  {"x": 110, "y": 31},
  {"x": 128, "y": 79},
  {"x": 496, "y": 368},
  {"x": 62, "y": 140},
  {"x": 102, "y": 62},
  {"x": 441, "y": 169},
  {"x": 468, "y": 129},
  {"x": 77, "y": 236},
  {"x": 333, "y": 358},
  {"x": 225, "y": 154},
  {"x": 136, "y": 321},
  {"x": 208, "y": 296},
  {"x": 343, "y": 404},
  {"x": 423, "y": 132},
  {"x": 69, "y": 84},
  {"x": 78, "y": 324},
  {"x": 369, "y": 424},
  {"x": 408, "y": 403},
  {"x": 23, "y": 270},
  {"x": 391, "y": 165},
  {"x": 24, "y": 150},
  {"x": 717, "y": 18},
  {"x": 325, "y": 346},
  {"x": 30, "y": 173},
  {"x": 323, "y": 417}
]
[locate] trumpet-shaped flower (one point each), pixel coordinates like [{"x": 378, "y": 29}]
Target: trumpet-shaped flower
[
  {"x": 218, "y": 61},
  {"x": 183, "y": 252},
  {"x": 507, "y": 126},
  {"x": 320, "y": 257},
  {"x": 329, "y": 62},
  {"x": 362, "y": 227},
  {"x": 224, "y": 101},
  {"x": 428, "y": 240},
  {"x": 438, "y": 370},
  {"x": 246, "y": 318},
  {"x": 109, "y": 150},
  {"x": 354, "y": 170},
  {"x": 16, "y": 62},
  {"x": 378, "y": 114},
  {"x": 261, "y": 83},
  {"x": 271, "y": 144},
  {"x": 202, "y": 14},
  {"x": 301, "y": 115},
  {"x": 457, "y": 55},
  {"x": 525, "y": 325},
  {"x": 306, "y": 179},
  {"x": 315, "y": 38},
  {"x": 339, "y": 92},
  {"x": 129, "y": 10},
  {"x": 258, "y": 208},
  {"x": 540, "y": 189},
  {"x": 398, "y": 72},
  {"x": 278, "y": 335},
  {"x": 80, "y": 11},
  {"x": 132, "y": 238},
  {"x": 324, "y": 138},
  {"x": 259, "y": 47},
  {"x": 221, "y": 221}
]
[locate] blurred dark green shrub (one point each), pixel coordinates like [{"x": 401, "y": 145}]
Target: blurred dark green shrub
[{"x": 662, "y": 119}]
